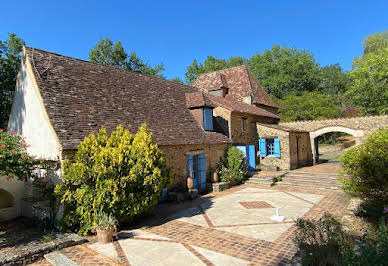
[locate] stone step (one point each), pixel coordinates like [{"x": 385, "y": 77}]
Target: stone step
[
  {"x": 56, "y": 258},
  {"x": 312, "y": 180},
  {"x": 309, "y": 184},
  {"x": 312, "y": 177},
  {"x": 312, "y": 173}
]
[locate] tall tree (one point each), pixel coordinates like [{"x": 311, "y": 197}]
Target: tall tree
[
  {"x": 211, "y": 64},
  {"x": 307, "y": 106},
  {"x": 369, "y": 89},
  {"x": 105, "y": 52},
  {"x": 375, "y": 42},
  {"x": 282, "y": 71},
  {"x": 334, "y": 81},
  {"x": 10, "y": 52}
]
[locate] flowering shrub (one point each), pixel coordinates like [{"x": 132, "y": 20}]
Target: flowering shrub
[{"x": 14, "y": 160}]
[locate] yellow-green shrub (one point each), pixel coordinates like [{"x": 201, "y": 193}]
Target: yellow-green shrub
[{"x": 120, "y": 174}]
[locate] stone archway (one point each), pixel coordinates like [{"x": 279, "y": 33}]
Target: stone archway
[
  {"x": 356, "y": 133},
  {"x": 6, "y": 199}
]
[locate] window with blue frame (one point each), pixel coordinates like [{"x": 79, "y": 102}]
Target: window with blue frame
[
  {"x": 208, "y": 119},
  {"x": 269, "y": 147}
]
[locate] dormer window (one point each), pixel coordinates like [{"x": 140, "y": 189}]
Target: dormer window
[{"x": 208, "y": 119}]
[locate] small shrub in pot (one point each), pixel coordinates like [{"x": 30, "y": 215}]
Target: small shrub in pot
[{"x": 106, "y": 226}]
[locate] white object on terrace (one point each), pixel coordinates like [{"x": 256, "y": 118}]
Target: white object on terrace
[{"x": 277, "y": 217}]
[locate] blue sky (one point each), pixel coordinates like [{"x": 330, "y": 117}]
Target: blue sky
[{"x": 176, "y": 32}]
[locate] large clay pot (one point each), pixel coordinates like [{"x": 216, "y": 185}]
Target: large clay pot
[
  {"x": 190, "y": 183},
  {"x": 215, "y": 177},
  {"x": 105, "y": 236}
]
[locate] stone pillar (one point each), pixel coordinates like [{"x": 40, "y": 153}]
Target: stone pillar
[{"x": 313, "y": 149}]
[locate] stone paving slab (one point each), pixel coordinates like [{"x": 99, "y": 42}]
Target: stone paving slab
[{"x": 212, "y": 233}]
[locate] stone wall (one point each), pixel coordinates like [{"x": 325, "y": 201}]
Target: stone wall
[
  {"x": 222, "y": 119},
  {"x": 367, "y": 124},
  {"x": 15, "y": 190},
  {"x": 176, "y": 159},
  {"x": 272, "y": 163},
  {"x": 301, "y": 156}
]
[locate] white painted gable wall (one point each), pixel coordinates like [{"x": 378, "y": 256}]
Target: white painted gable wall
[{"x": 29, "y": 116}]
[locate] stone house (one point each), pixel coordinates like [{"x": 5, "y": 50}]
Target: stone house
[
  {"x": 247, "y": 115},
  {"x": 60, "y": 100}
]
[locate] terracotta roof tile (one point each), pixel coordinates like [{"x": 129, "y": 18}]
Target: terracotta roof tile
[
  {"x": 197, "y": 99},
  {"x": 240, "y": 82},
  {"x": 80, "y": 97},
  {"x": 241, "y": 107}
]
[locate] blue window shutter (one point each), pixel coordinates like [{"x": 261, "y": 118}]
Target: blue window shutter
[
  {"x": 208, "y": 119},
  {"x": 277, "y": 148},
  {"x": 251, "y": 157},
  {"x": 202, "y": 170},
  {"x": 189, "y": 160},
  {"x": 263, "y": 148}
]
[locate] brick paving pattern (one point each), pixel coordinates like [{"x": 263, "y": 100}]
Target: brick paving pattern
[
  {"x": 212, "y": 237},
  {"x": 255, "y": 204}
]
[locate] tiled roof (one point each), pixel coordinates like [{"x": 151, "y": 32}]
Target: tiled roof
[
  {"x": 197, "y": 99},
  {"x": 80, "y": 97},
  {"x": 240, "y": 82},
  {"x": 241, "y": 107},
  {"x": 283, "y": 128}
]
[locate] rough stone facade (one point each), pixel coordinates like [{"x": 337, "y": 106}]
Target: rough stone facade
[
  {"x": 176, "y": 159},
  {"x": 359, "y": 127},
  {"x": 295, "y": 149},
  {"x": 300, "y": 149},
  {"x": 367, "y": 124}
]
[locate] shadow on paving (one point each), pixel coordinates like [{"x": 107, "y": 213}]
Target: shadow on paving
[{"x": 166, "y": 211}]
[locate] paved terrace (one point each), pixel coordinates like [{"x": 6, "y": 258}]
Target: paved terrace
[{"x": 228, "y": 228}]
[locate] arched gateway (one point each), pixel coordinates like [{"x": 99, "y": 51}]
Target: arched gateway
[{"x": 359, "y": 127}]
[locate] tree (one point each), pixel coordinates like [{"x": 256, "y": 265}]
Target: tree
[
  {"x": 282, "y": 71},
  {"x": 177, "y": 79},
  {"x": 366, "y": 169},
  {"x": 375, "y": 42},
  {"x": 10, "y": 52},
  {"x": 369, "y": 89},
  {"x": 107, "y": 53},
  {"x": 307, "y": 106},
  {"x": 211, "y": 64},
  {"x": 334, "y": 81},
  {"x": 121, "y": 174}
]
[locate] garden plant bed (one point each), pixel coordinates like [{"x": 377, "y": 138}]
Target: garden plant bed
[{"x": 22, "y": 244}]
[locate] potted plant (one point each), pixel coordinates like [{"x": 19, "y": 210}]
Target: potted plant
[{"x": 106, "y": 226}]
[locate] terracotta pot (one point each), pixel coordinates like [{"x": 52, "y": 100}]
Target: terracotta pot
[
  {"x": 215, "y": 177},
  {"x": 105, "y": 235},
  {"x": 190, "y": 183}
]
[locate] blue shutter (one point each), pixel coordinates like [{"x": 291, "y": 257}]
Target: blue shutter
[
  {"x": 277, "y": 148},
  {"x": 263, "y": 148},
  {"x": 208, "y": 119},
  {"x": 202, "y": 170},
  {"x": 164, "y": 195},
  {"x": 251, "y": 157},
  {"x": 189, "y": 160}
]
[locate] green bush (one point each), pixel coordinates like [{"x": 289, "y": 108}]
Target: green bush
[
  {"x": 121, "y": 174},
  {"x": 372, "y": 248},
  {"x": 366, "y": 168},
  {"x": 322, "y": 242},
  {"x": 235, "y": 170}
]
